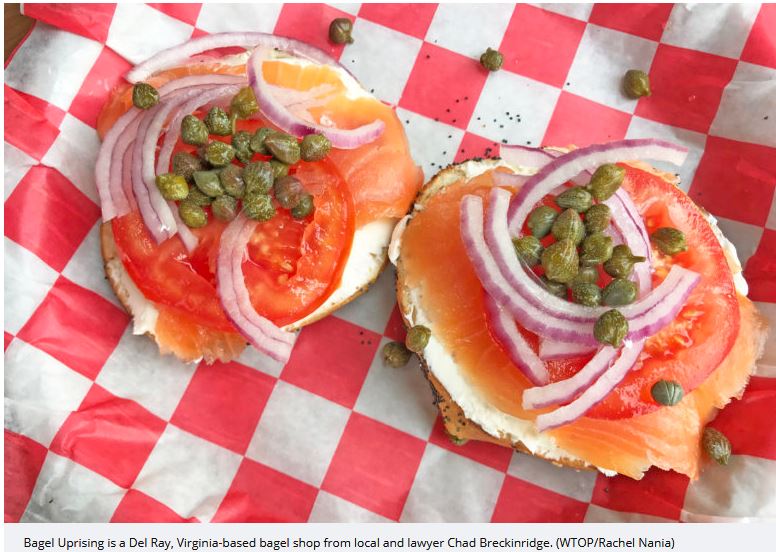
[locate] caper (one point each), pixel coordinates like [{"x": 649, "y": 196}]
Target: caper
[
  {"x": 597, "y": 218},
  {"x": 576, "y": 198},
  {"x": 193, "y": 131},
  {"x": 636, "y": 84},
  {"x": 586, "y": 294},
  {"x": 611, "y": 328},
  {"x": 186, "y": 165},
  {"x": 492, "y": 60},
  {"x": 198, "y": 198},
  {"x": 340, "y": 31},
  {"x": 417, "y": 338},
  {"x": 172, "y": 186},
  {"x": 218, "y": 154},
  {"x": 619, "y": 292},
  {"x": 283, "y": 147},
  {"x": 716, "y": 445},
  {"x": 621, "y": 263},
  {"x": 556, "y": 288},
  {"x": 304, "y": 208},
  {"x": 596, "y": 249},
  {"x": 288, "y": 191},
  {"x": 244, "y": 103},
  {"x": 669, "y": 241},
  {"x": 314, "y": 147},
  {"x": 278, "y": 168},
  {"x": 192, "y": 214},
  {"x": 218, "y": 122},
  {"x": 257, "y": 140},
  {"x": 257, "y": 177},
  {"x": 258, "y": 207},
  {"x": 528, "y": 248},
  {"x": 560, "y": 261},
  {"x": 586, "y": 274},
  {"x": 208, "y": 183},
  {"x": 231, "y": 178},
  {"x": 396, "y": 355},
  {"x": 605, "y": 181},
  {"x": 144, "y": 96},
  {"x": 569, "y": 226},
  {"x": 541, "y": 219},
  {"x": 241, "y": 142},
  {"x": 667, "y": 393},
  {"x": 225, "y": 207}
]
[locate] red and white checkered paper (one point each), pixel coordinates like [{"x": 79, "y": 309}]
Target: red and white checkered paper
[{"x": 100, "y": 427}]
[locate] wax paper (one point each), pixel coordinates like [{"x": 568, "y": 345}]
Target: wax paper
[{"x": 100, "y": 427}]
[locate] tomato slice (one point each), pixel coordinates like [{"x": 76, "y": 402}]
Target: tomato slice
[{"x": 291, "y": 267}]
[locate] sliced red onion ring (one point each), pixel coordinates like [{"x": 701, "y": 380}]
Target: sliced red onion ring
[
  {"x": 517, "y": 348},
  {"x": 549, "y": 349},
  {"x": 594, "y": 394},
  {"x": 569, "y": 165},
  {"x": 282, "y": 117},
  {"x": 523, "y": 156},
  {"x": 235, "y": 298},
  {"x": 172, "y": 57}
]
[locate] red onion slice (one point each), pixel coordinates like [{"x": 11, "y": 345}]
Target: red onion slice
[
  {"x": 550, "y": 349},
  {"x": 517, "y": 348},
  {"x": 282, "y": 117},
  {"x": 594, "y": 394}
]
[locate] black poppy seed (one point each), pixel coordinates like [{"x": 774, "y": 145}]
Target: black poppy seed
[
  {"x": 528, "y": 142},
  {"x": 466, "y": 97},
  {"x": 372, "y": 91},
  {"x": 454, "y": 120},
  {"x": 407, "y": 121},
  {"x": 436, "y": 119},
  {"x": 449, "y": 136},
  {"x": 478, "y": 118},
  {"x": 503, "y": 141},
  {"x": 501, "y": 126},
  {"x": 448, "y": 110},
  {"x": 444, "y": 153},
  {"x": 457, "y": 101},
  {"x": 428, "y": 56},
  {"x": 765, "y": 118},
  {"x": 463, "y": 150}
]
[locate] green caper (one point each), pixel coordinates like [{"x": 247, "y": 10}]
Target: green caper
[
  {"x": 340, "y": 31},
  {"x": 636, "y": 84},
  {"x": 396, "y": 355},
  {"x": 576, "y": 198},
  {"x": 198, "y": 198},
  {"x": 258, "y": 207},
  {"x": 560, "y": 261},
  {"x": 257, "y": 177},
  {"x": 716, "y": 445},
  {"x": 611, "y": 328},
  {"x": 193, "y": 131},
  {"x": 225, "y": 207},
  {"x": 605, "y": 181},
  {"x": 528, "y": 248},
  {"x": 669, "y": 241},
  {"x": 619, "y": 292},
  {"x": 244, "y": 103},
  {"x": 283, "y": 147},
  {"x": 596, "y": 249},
  {"x": 231, "y": 178},
  {"x": 257, "y": 140},
  {"x": 288, "y": 191},
  {"x": 586, "y": 274},
  {"x": 186, "y": 165},
  {"x": 218, "y": 154},
  {"x": 621, "y": 263},
  {"x": 314, "y": 147},
  {"x": 304, "y": 208},
  {"x": 541, "y": 219},
  {"x": 569, "y": 226},
  {"x": 597, "y": 218},
  {"x": 208, "y": 183},
  {"x": 241, "y": 142},
  {"x": 218, "y": 122},
  {"x": 172, "y": 186},
  {"x": 278, "y": 168},
  {"x": 492, "y": 60},
  {"x": 192, "y": 214},
  {"x": 586, "y": 294},
  {"x": 417, "y": 338},
  {"x": 144, "y": 96},
  {"x": 556, "y": 288},
  {"x": 667, "y": 393}
]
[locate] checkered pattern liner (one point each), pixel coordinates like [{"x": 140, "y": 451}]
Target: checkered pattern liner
[{"x": 99, "y": 427}]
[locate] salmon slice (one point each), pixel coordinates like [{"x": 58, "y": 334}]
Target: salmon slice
[{"x": 177, "y": 333}]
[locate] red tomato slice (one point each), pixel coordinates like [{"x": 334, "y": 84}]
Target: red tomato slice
[{"x": 292, "y": 265}]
